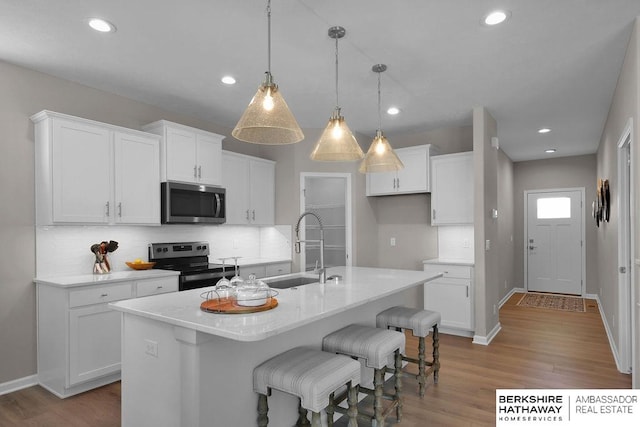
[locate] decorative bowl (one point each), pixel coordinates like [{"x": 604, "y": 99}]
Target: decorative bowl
[{"x": 140, "y": 265}]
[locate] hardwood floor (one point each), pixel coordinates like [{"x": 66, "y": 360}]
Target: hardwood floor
[{"x": 537, "y": 348}]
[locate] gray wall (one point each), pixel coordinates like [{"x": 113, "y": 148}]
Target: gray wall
[
  {"x": 624, "y": 106},
  {"x": 487, "y": 267},
  {"x": 561, "y": 172},
  {"x": 506, "y": 232}
]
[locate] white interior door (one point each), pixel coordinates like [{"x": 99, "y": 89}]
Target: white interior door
[
  {"x": 329, "y": 197},
  {"x": 554, "y": 241}
]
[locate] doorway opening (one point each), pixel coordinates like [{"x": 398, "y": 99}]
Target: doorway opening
[
  {"x": 328, "y": 195},
  {"x": 554, "y": 252}
]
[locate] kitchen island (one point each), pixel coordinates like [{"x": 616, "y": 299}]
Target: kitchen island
[{"x": 182, "y": 366}]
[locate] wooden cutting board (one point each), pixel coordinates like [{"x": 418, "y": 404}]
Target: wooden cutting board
[{"x": 230, "y": 306}]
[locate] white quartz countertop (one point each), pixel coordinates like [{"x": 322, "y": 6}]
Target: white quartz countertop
[
  {"x": 101, "y": 279},
  {"x": 448, "y": 261},
  {"x": 296, "y": 306}
]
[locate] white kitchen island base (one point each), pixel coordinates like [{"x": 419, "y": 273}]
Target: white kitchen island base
[{"x": 184, "y": 367}]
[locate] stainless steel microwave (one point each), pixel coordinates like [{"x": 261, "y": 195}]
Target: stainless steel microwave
[{"x": 192, "y": 204}]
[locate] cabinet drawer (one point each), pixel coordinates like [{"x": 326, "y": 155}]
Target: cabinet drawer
[
  {"x": 278, "y": 269},
  {"x": 448, "y": 270},
  {"x": 156, "y": 286},
  {"x": 96, "y": 295}
]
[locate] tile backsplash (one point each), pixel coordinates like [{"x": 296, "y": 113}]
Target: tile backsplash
[
  {"x": 455, "y": 243},
  {"x": 65, "y": 250}
]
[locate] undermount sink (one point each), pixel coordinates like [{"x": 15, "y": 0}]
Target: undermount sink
[{"x": 290, "y": 280}]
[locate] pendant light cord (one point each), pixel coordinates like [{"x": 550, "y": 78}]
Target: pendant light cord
[
  {"x": 337, "y": 103},
  {"x": 269, "y": 36},
  {"x": 379, "y": 105}
]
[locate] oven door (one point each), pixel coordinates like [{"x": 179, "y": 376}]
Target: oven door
[{"x": 201, "y": 279}]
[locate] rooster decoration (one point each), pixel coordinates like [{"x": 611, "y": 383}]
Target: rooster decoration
[{"x": 100, "y": 250}]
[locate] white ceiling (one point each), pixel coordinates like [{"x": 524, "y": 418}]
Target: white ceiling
[{"x": 554, "y": 63}]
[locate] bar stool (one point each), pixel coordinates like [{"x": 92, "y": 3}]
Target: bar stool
[
  {"x": 311, "y": 375},
  {"x": 419, "y": 322},
  {"x": 376, "y": 347}
]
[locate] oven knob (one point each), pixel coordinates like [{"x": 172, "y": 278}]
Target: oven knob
[
  {"x": 159, "y": 250},
  {"x": 165, "y": 249},
  {"x": 204, "y": 248},
  {"x": 199, "y": 247}
]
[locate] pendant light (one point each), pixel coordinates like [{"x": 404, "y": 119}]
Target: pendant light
[
  {"x": 267, "y": 119},
  {"x": 337, "y": 143},
  {"x": 380, "y": 157}
]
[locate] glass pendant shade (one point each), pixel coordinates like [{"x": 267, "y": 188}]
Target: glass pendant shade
[
  {"x": 380, "y": 157},
  {"x": 337, "y": 143},
  {"x": 267, "y": 119}
]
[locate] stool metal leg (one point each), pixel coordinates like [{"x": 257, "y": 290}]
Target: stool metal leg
[
  {"x": 421, "y": 366},
  {"x": 398, "y": 384},
  {"x": 436, "y": 354},
  {"x": 352, "y": 400},
  {"x": 263, "y": 408}
]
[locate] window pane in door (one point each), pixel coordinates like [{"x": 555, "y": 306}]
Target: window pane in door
[{"x": 554, "y": 207}]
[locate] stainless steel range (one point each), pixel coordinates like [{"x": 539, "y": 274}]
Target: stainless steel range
[{"x": 191, "y": 259}]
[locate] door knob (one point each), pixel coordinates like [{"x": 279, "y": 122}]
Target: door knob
[{"x": 531, "y": 247}]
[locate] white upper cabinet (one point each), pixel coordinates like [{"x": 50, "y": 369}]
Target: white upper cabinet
[
  {"x": 452, "y": 189},
  {"x": 250, "y": 189},
  {"x": 137, "y": 178},
  {"x": 413, "y": 178},
  {"x": 94, "y": 173},
  {"x": 188, "y": 154}
]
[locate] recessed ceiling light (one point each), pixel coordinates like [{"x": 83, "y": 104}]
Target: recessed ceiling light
[
  {"x": 228, "y": 80},
  {"x": 544, "y": 130},
  {"x": 393, "y": 111},
  {"x": 101, "y": 25},
  {"x": 496, "y": 17},
  {"x": 550, "y": 150}
]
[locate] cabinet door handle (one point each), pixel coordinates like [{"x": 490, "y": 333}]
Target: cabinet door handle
[
  {"x": 104, "y": 295},
  {"x": 254, "y": 215},
  {"x": 467, "y": 291},
  {"x": 120, "y": 209},
  {"x": 199, "y": 172},
  {"x": 159, "y": 287},
  {"x": 433, "y": 214},
  {"x": 247, "y": 214},
  {"x": 398, "y": 179},
  {"x": 394, "y": 183},
  {"x": 107, "y": 206},
  {"x": 195, "y": 171}
]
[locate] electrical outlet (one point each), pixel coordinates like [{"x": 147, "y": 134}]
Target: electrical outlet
[
  {"x": 151, "y": 347},
  {"x": 392, "y": 241},
  {"x": 487, "y": 245}
]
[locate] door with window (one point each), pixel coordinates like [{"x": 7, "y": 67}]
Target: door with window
[
  {"x": 327, "y": 195},
  {"x": 554, "y": 241}
]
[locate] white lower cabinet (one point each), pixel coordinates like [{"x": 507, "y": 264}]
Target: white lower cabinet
[
  {"x": 265, "y": 270},
  {"x": 79, "y": 335},
  {"x": 452, "y": 296}
]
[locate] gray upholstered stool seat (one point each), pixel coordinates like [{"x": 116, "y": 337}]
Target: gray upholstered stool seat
[
  {"x": 311, "y": 375},
  {"x": 420, "y": 322},
  {"x": 376, "y": 347}
]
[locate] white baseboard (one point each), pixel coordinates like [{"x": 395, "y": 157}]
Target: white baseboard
[
  {"x": 510, "y": 294},
  {"x": 486, "y": 340},
  {"x": 18, "y": 384},
  {"x": 612, "y": 342}
]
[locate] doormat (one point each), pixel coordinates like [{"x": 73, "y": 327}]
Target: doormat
[{"x": 556, "y": 302}]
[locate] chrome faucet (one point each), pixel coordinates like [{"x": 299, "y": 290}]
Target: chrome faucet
[{"x": 322, "y": 271}]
